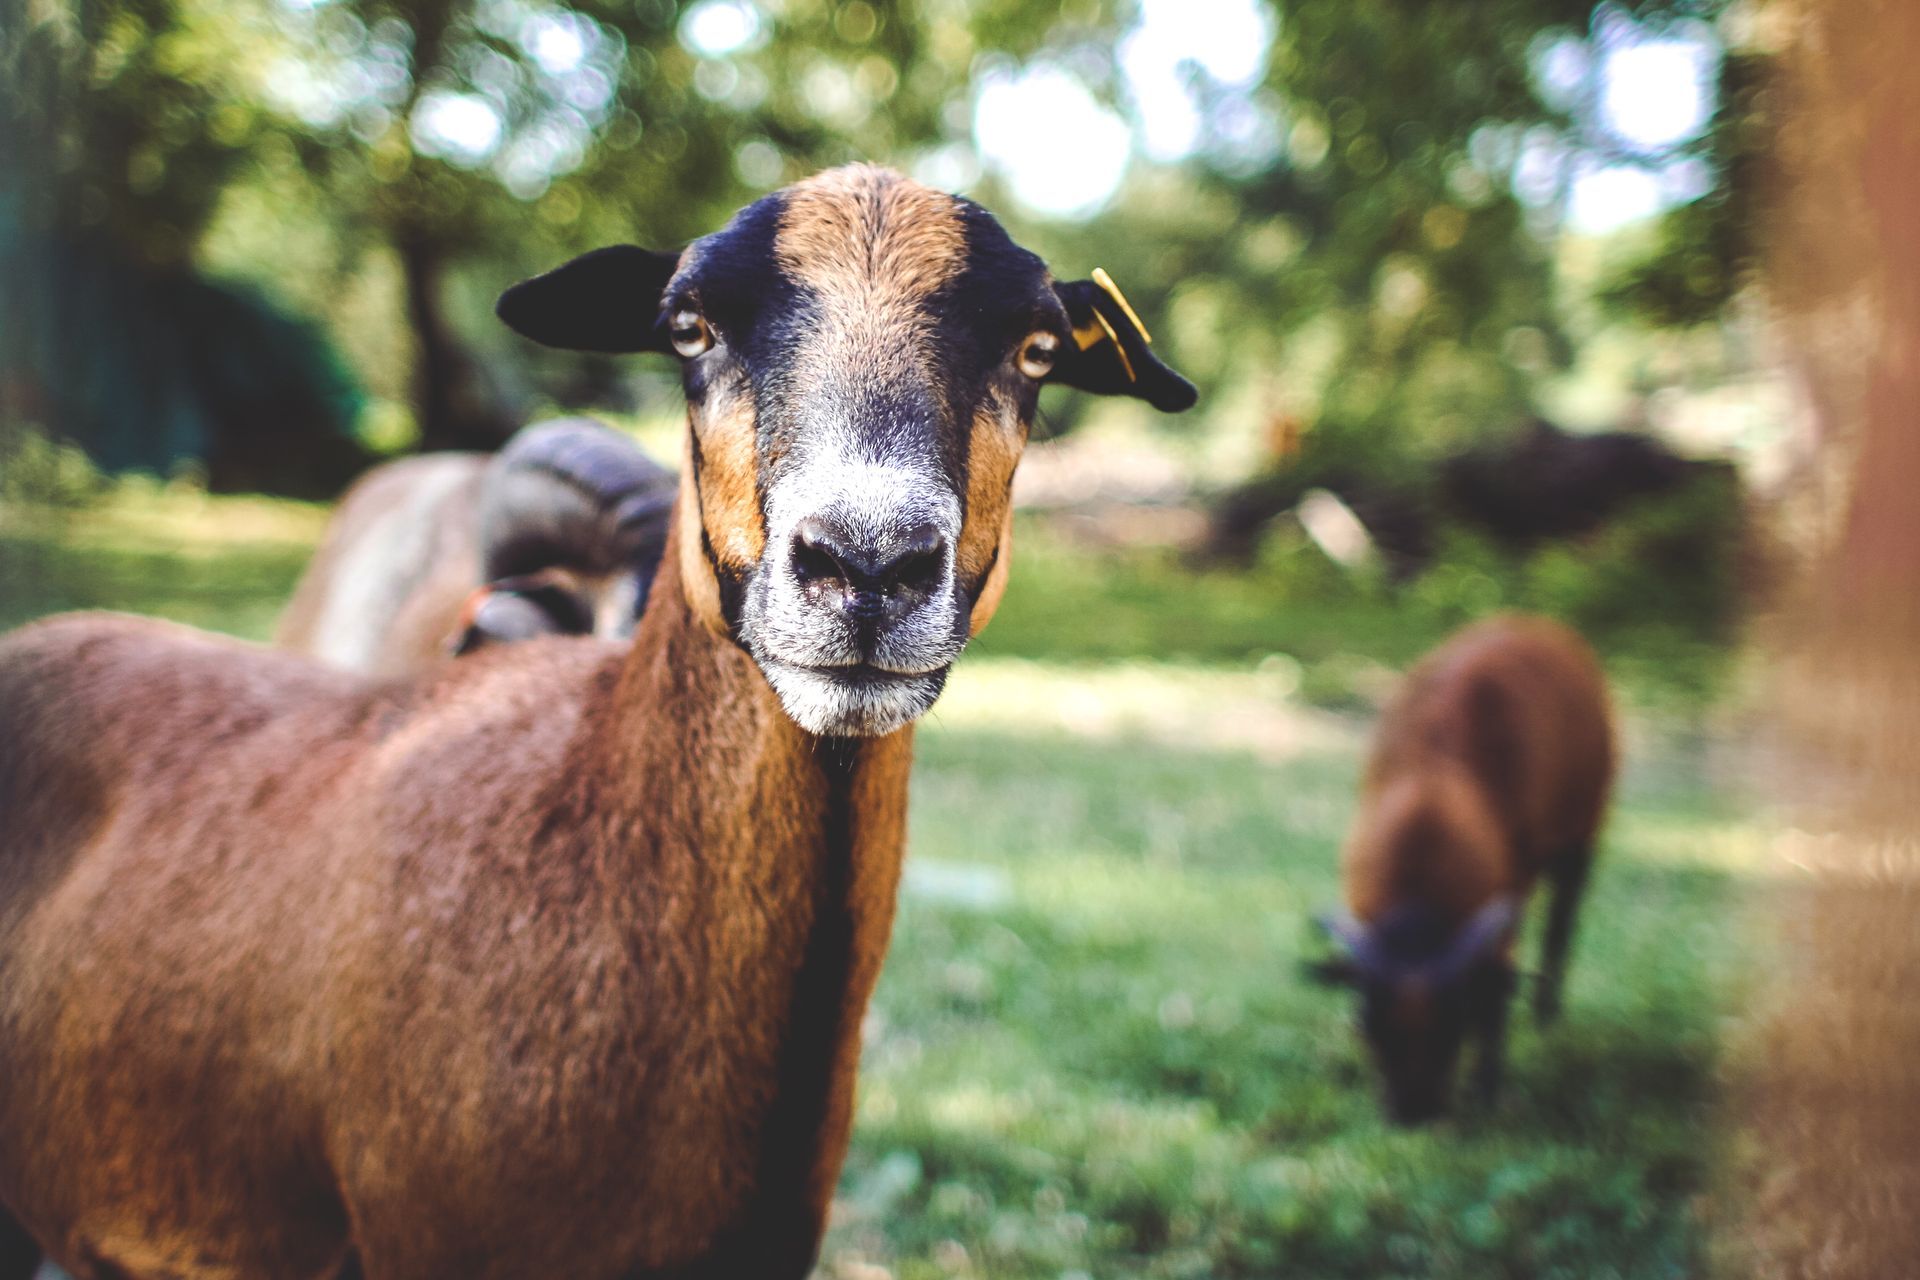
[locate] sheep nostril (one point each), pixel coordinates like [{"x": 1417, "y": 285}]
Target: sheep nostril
[
  {"x": 817, "y": 554},
  {"x": 920, "y": 563},
  {"x": 869, "y": 580}
]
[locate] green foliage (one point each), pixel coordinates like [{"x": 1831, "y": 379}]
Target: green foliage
[
  {"x": 38, "y": 470},
  {"x": 1706, "y": 251},
  {"x": 1671, "y": 559},
  {"x": 1344, "y": 246},
  {"x": 1657, "y": 589},
  {"x": 136, "y": 545},
  {"x": 151, "y": 366},
  {"x": 1374, "y": 266},
  {"x": 127, "y": 120}
]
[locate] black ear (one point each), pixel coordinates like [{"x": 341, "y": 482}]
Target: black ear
[
  {"x": 1333, "y": 971},
  {"x": 607, "y": 300},
  {"x": 1110, "y": 352}
]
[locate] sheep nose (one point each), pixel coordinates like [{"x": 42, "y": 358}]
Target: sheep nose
[{"x": 873, "y": 580}]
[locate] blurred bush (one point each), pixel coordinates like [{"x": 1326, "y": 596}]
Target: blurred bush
[
  {"x": 152, "y": 367},
  {"x": 1659, "y": 588},
  {"x": 37, "y": 470}
]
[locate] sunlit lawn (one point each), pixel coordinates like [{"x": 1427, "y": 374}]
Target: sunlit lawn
[
  {"x": 224, "y": 563},
  {"x": 1091, "y": 1054}
]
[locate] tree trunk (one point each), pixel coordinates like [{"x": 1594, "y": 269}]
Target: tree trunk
[{"x": 452, "y": 405}]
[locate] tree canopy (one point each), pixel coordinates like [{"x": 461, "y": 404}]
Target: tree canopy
[{"x": 1346, "y": 244}]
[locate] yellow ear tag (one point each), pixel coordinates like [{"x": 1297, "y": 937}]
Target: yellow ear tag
[
  {"x": 1089, "y": 335},
  {"x": 1105, "y": 281}
]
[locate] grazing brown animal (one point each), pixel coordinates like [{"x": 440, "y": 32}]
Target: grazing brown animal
[
  {"x": 551, "y": 961},
  {"x": 560, "y": 533},
  {"x": 1490, "y": 769}
]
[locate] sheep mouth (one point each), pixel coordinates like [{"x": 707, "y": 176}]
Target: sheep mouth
[
  {"x": 857, "y": 700},
  {"x": 865, "y": 672}
]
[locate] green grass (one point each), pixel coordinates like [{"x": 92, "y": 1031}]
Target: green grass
[
  {"x": 1091, "y": 1054},
  {"x": 228, "y": 564},
  {"x": 1110, "y": 1066}
]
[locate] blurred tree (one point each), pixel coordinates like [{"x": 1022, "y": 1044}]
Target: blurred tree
[
  {"x": 1707, "y": 250},
  {"x": 120, "y": 126},
  {"x": 1354, "y": 225},
  {"x": 439, "y": 126},
  {"x": 1343, "y": 246},
  {"x": 506, "y": 132},
  {"x": 1370, "y": 210}
]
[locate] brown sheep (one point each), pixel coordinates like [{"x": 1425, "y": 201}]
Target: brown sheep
[
  {"x": 560, "y": 533},
  {"x": 550, "y": 961},
  {"x": 1490, "y": 769}
]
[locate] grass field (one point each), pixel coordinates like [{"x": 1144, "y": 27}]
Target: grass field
[{"x": 1091, "y": 1055}]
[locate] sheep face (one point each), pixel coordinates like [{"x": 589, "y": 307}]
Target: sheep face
[
  {"x": 1414, "y": 1030},
  {"x": 1424, "y": 987},
  {"x": 862, "y": 357}
]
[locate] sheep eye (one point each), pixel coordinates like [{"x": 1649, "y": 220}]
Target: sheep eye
[
  {"x": 1038, "y": 353},
  {"x": 688, "y": 331}
]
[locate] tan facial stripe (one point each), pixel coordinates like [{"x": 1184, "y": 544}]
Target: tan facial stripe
[
  {"x": 729, "y": 476},
  {"x": 986, "y": 597},
  {"x": 993, "y": 453},
  {"x": 872, "y": 232},
  {"x": 698, "y": 575},
  {"x": 871, "y": 247}
]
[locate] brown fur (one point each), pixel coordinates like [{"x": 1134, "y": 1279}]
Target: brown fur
[
  {"x": 864, "y": 234},
  {"x": 874, "y": 247},
  {"x": 690, "y": 542},
  {"x": 1490, "y": 769},
  {"x": 1494, "y": 760},
  {"x": 413, "y": 551},
  {"x": 283, "y": 973},
  {"x": 219, "y": 1058},
  {"x": 551, "y": 961}
]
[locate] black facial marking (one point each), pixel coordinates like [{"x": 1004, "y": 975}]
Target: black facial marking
[
  {"x": 733, "y": 278},
  {"x": 760, "y": 314},
  {"x": 999, "y": 297}
]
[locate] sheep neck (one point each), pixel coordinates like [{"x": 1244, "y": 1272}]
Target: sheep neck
[{"x": 754, "y": 867}]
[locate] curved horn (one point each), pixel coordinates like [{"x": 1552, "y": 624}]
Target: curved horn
[
  {"x": 512, "y": 610},
  {"x": 589, "y": 455},
  {"x": 576, "y": 491},
  {"x": 1483, "y": 929},
  {"x": 648, "y": 507},
  {"x": 1352, "y": 934}
]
